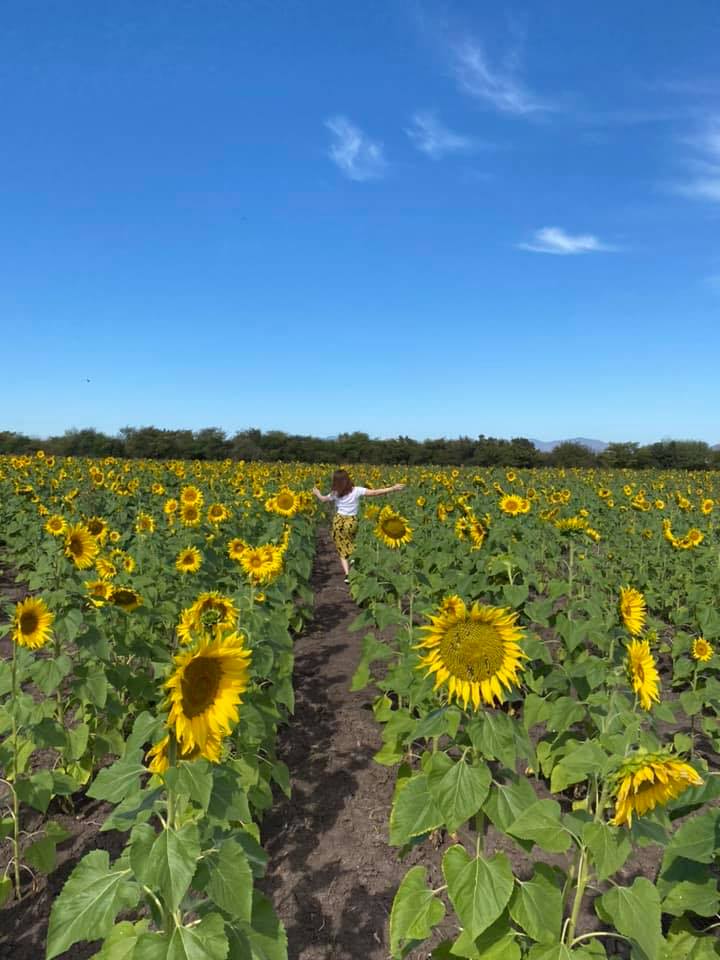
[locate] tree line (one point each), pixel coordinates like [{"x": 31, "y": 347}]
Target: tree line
[{"x": 270, "y": 445}]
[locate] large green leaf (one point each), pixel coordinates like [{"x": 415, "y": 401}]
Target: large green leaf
[
  {"x": 415, "y": 911},
  {"x": 172, "y": 861},
  {"x": 684, "y": 943},
  {"x": 205, "y": 941},
  {"x": 231, "y": 881},
  {"x": 414, "y": 811},
  {"x": 541, "y": 823},
  {"x": 609, "y": 847},
  {"x": 263, "y": 938},
  {"x": 479, "y": 888},
  {"x": 498, "y": 942},
  {"x": 686, "y": 897},
  {"x": 121, "y": 943},
  {"x": 506, "y": 802},
  {"x": 536, "y": 905},
  {"x": 635, "y": 912},
  {"x": 577, "y": 765},
  {"x": 458, "y": 789},
  {"x": 89, "y": 902},
  {"x": 116, "y": 782},
  {"x": 192, "y": 779},
  {"x": 697, "y": 839}
]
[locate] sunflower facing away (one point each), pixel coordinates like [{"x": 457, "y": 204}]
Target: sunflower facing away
[
  {"x": 204, "y": 692},
  {"x": 702, "y": 650},
  {"x": 210, "y": 610},
  {"x": 32, "y": 623},
  {"x": 633, "y": 610},
  {"x": 643, "y": 673},
  {"x": 81, "y": 546},
  {"x": 474, "y": 652},
  {"x": 188, "y": 560},
  {"x": 126, "y": 598},
  {"x": 646, "y": 780},
  {"x": 392, "y": 529}
]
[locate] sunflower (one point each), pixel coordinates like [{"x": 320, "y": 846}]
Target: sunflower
[
  {"x": 707, "y": 506},
  {"x": 81, "y": 546},
  {"x": 204, "y": 691},
  {"x": 695, "y": 536},
  {"x": 392, "y": 529},
  {"x": 158, "y": 760},
  {"x": 98, "y": 527},
  {"x": 646, "y": 780},
  {"x": 217, "y": 513},
  {"x": 209, "y": 610},
  {"x": 643, "y": 673},
  {"x": 144, "y": 523},
  {"x": 236, "y": 548},
  {"x": 170, "y": 508},
  {"x": 188, "y": 560},
  {"x": 260, "y": 563},
  {"x": 106, "y": 568},
  {"x": 126, "y": 598},
  {"x": 191, "y": 496},
  {"x": 475, "y": 652},
  {"x": 571, "y": 524},
  {"x": 633, "y": 610},
  {"x": 284, "y": 503},
  {"x": 511, "y": 504},
  {"x": 98, "y": 591},
  {"x": 451, "y": 604},
  {"x": 190, "y": 514},
  {"x": 31, "y": 623},
  {"x": 477, "y": 534},
  {"x": 702, "y": 650},
  {"x": 55, "y": 525}
]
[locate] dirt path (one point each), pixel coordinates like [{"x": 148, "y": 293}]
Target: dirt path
[{"x": 332, "y": 875}]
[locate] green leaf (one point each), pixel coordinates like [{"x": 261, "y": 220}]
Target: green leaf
[
  {"x": 116, "y": 782},
  {"x": 142, "y": 838},
  {"x": 49, "y": 674},
  {"x": 541, "y": 823},
  {"x": 78, "y": 740},
  {"x": 192, "y": 778},
  {"x": 372, "y": 649},
  {"x": 577, "y": 765},
  {"x": 89, "y": 902},
  {"x": 415, "y": 910},
  {"x": 172, "y": 862},
  {"x": 479, "y": 889},
  {"x": 42, "y": 853},
  {"x": 684, "y": 943},
  {"x": 635, "y": 912},
  {"x": 458, "y": 789},
  {"x": 145, "y": 730},
  {"x": 6, "y": 889},
  {"x": 697, "y": 839},
  {"x": 414, "y": 811},
  {"x": 609, "y": 847},
  {"x": 498, "y": 942},
  {"x": 564, "y": 712},
  {"x": 231, "y": 881},
  {"x": 537, "y": 906},
  {"x": 121, "y": 943},
  {"x": 136, "y": 808},
  {"x": 36, "y": 790},
  {"x": 204, "y": 941},
  {"x": 506, "y": 802},
  {"x": 687, "y": 897},
  {"x": 262, "y": 939}
]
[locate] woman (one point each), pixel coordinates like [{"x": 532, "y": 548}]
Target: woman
[{"x": 347, "y": 503}]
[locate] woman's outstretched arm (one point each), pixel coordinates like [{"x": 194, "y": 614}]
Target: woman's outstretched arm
[
  {"x": 321, "y": 496},
  {"x": 381, "y": 490}
]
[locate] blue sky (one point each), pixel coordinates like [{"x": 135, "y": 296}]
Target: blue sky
[{"x": 398, "y": 217}]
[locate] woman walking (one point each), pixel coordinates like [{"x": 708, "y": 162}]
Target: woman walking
[{"x": 346, "y": 497}]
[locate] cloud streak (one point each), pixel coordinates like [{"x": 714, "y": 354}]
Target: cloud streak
[
  {"x": 434, "y": 139},
  {"x": 704, "y": 184},
  {"x": 555, "y": 240},
  {"x": 500, "y": 87},
  {"x": 356, "y": 155}
]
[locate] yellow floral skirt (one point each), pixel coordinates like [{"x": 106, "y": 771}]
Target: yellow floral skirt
[{"x": 343, "y": 533}]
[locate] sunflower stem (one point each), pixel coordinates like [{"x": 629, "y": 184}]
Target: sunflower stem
[
  {"x": 481, "y": 830},
  {"x": 16, "y": 802},
  {"x": 582, "y": 879},
  {"x": 171, "y": 799}
]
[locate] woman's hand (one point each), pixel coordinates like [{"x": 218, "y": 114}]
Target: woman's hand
[
  {"x": 399, "y": 486},
  {"x": 316, "y": 492}
]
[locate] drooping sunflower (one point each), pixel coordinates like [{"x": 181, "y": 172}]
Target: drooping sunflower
[
  {"x": 475, "y": 652},
  {"x": 188, "y": 560},
  {"x": 392, "y": 529},
  {"x": 126, "y": 598},
  {"x": 647, "y": 780},
  {"x": 702, "y": 650},
  {"x": 477, "y": 534},
  {"x": 32, "y": 623},
  {"x": 204, "y": 692},
  {"x": 633, "y": 610},
  {"x": 55, "y": 525},
  {"x": 81, "y": 546},
  {"x": 211, "y": 610},
  {"x": 643, "y": 673}
]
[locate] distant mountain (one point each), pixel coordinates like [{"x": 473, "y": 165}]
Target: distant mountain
[{"x": 546, "y": 446}]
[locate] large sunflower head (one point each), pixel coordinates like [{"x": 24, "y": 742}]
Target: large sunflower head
[
  {"x": 32, "y": 622},
  {"x": 188, "y": 560},
  {"x": 204, "y": 691},
  {"x": 475, "y": 652},
  {"x": 285, "y": 502},
  {"x": 633, "y": 610},
  {"x": 647, "y": 780},
  {"x": 81, "y": 546},
  {"x": 511, "y": 504},
  {"x": 392, "y": 529},
  {"x": 643, "y": 673}
]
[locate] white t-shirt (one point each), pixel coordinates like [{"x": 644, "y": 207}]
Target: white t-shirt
[{"x": 349, "y": 505}]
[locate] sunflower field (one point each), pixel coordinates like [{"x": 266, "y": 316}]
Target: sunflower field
[{"x": 541, "y": 650}]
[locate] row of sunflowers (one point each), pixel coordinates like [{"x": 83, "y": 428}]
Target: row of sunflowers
[
  {"x": 147, "y": 670},
  {"x": 544, "y": 644}
]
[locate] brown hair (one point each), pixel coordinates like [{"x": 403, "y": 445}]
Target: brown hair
[{"x": 341, "y": 483}]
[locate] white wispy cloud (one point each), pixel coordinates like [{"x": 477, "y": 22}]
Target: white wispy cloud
[
  {"x": 556, "y": 240},
  {"x": 359, "y": 157},
  {"x": 500, "y": 86},
  {"x": 704, "y": 182},
  {"x": 430, "y": 136}
]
